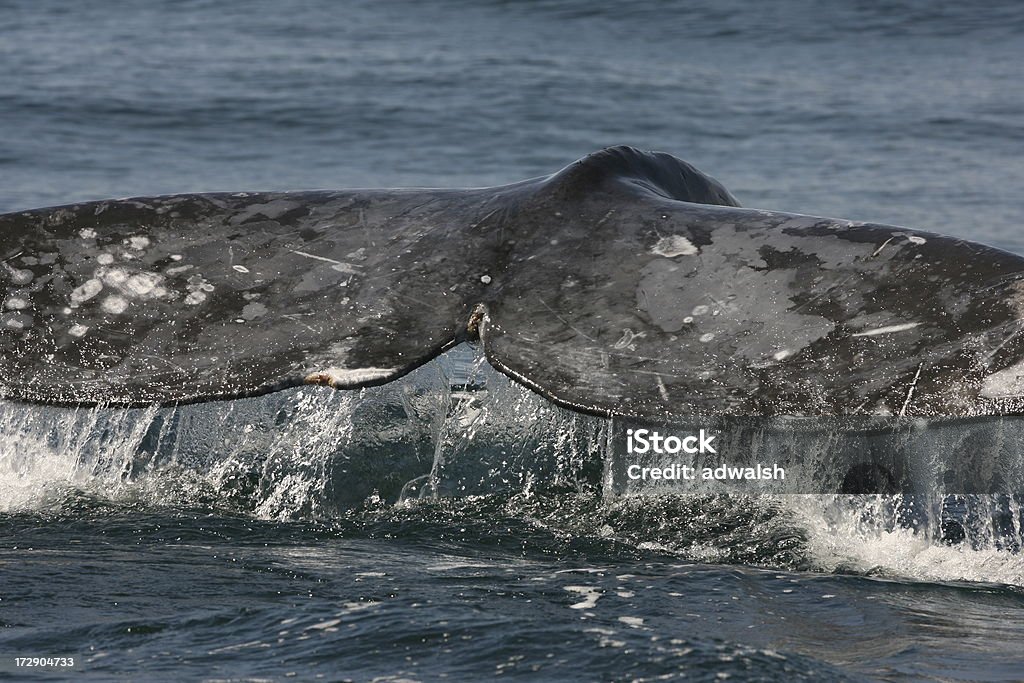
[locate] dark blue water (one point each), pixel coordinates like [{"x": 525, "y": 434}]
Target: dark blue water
[{"x": 265, "y": 542}]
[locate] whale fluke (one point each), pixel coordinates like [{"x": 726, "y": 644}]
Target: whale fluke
[{"x": 628, "y": 283}]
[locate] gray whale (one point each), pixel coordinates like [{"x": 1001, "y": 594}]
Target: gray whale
[{"x": 627, "y": 284}]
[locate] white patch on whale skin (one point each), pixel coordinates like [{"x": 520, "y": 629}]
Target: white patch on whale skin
[
  {"x": 1005, "y": 383},
  {"x": 674, "y": 245},
  {"x": 914, "y": 239},
  {"x": 253, "y": 310},
  {"x": 343, "y": 377},
  {"x": 19, "y": 276},
  {"x": 902, "y": 327},
  {"x": 86, "y": 291},
  {"x": 16, "y": 303},
  {"x": 198, "y": 287},
  {"x": 115, "y": 304},
  {"x": 112, "y": 276},
  {"x": 240, "y": 269},
  {"x": 137, "y": 243},
  {"x": 143, "y": 284},
  {"x": 105, "y": 259},
  {"x": 78, "y": 330}
]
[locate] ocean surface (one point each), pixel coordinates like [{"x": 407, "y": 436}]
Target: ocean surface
[{"x": 428, "y": 530}]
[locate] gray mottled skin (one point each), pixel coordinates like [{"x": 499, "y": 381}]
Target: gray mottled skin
[{"x": 628, "y": 283}]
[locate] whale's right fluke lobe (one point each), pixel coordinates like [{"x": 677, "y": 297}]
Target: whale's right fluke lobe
[{"x": 627, "y": 283}]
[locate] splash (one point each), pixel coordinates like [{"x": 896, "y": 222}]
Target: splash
[
  {"x": 448, "y": 429},
  {"x": 932, "y": 538},
  {"x": 455, "y": 431}
]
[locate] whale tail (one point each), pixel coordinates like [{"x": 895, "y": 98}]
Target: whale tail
[{"x": 629, "y": 283}]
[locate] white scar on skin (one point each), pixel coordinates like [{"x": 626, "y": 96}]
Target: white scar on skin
[
  {"x": 339, "y": 266},
  {"x": 342, "y": 377},
  {"x": 886, "y": 330},
  {"x": 662, "y": 389}
]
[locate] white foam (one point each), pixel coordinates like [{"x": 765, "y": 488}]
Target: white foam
[
  {"x": 840, "y": 537},
  {"x": 590, "y": 595},
  {"x": 1005, "y": 383}
]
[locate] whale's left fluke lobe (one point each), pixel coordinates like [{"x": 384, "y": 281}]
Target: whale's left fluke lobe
[{"x": 627, "y": 283}]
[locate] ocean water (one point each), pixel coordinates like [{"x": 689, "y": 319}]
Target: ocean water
[{"x": 419, "y": 532}]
